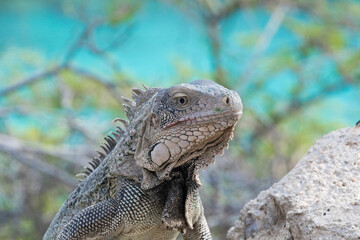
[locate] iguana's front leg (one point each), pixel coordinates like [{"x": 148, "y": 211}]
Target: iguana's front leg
[
  {"x": 131, "y": 214},
  {"x": 102, "y": 220},
  {"x": 201, "y": 229}
]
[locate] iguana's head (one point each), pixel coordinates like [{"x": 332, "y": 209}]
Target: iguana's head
[{"x": 187, "y": 122}]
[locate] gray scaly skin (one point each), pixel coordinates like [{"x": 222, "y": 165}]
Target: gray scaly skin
[{"x": 146, "y": 185}]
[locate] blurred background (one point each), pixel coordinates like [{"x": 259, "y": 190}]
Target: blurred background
[{"x": 65, "y": 64}]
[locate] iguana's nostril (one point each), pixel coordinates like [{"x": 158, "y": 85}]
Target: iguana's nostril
[{"x": 226, "y": 101}]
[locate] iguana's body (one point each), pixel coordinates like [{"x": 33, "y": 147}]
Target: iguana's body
[{"x": 146, "y": 187}]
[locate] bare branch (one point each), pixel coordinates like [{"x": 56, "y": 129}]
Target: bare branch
[
  {"x": 230, "y": 8},
  {"x": 30, "y": 80},
  {"x": 40, "y": 76},
  {"x": 119, "y": 38},
  {"x": 265, "y": 39},
  {"x": 215, "y": 45},
  {"x": 80, "y": 41},
  {"x": 295, "y": 106},
  {"x": 66, "y": 101},
  {"x": 110, "y": 87},
  {"x": 78, "y": 156},
  {"x": 43, "y": 167}
]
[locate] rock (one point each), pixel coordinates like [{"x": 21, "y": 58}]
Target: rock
[{"x": 318, "y": 199}]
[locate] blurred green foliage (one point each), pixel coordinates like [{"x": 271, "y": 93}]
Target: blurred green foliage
[{"x": 294, "y": 63}]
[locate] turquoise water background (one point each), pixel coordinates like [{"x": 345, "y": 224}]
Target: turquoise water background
[{"x": 160, "y": 37}]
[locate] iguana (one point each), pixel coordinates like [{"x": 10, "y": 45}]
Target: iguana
[{"x": 145, "y": 183}]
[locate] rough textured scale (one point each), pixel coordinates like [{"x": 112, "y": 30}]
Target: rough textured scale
[
  {"x": 318, "y": 199},
  {"x": 145, "y": 185}
]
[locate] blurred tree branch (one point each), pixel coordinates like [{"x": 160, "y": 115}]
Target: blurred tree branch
[
  {"x": 31, "y": 155},
  {"x": 263, "y": 42},
  {"x": 83, "y": 40},
  {"x": 212, "y": 13},
  {"x": 17, "y": 150},
  {"x": 294, "y": 106},
  {"x": 108, "y": 85},
  {"x": 30, "y": 80},
  {"x": 78, "y": 155},
  {"x": 212, "y": 16}
]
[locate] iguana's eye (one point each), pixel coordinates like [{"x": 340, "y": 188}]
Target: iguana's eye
[{"x": 180, "y": 99}]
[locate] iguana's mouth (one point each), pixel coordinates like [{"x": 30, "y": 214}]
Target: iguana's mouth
[{"x": 206, "y": 118}]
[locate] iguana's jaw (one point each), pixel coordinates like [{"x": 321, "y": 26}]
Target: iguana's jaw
[
  {"x": 211, "y": 148},
  {"x": 200, "y": 156},
  {"x": 215, "y": 131}
]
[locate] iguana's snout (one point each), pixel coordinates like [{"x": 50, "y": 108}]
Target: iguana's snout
[{"x": 230, "y": 102}]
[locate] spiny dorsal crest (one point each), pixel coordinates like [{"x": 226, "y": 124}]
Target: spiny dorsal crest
[
  {"x": 140, "y": 96},
  {"x": 110, "y": 142}
]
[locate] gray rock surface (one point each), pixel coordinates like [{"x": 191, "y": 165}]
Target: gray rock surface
[{"x": 318, "y": 199}]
